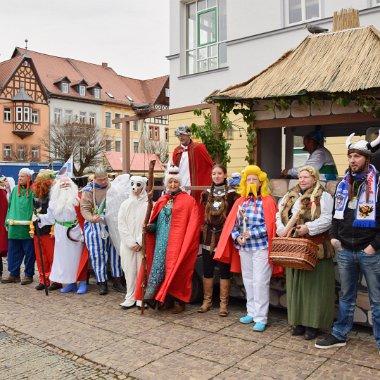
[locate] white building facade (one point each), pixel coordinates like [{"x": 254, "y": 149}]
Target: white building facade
[{"x": 216, "y": 43}]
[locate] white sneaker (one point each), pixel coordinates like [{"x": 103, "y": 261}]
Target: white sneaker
[{"x": 127, "y": 304}]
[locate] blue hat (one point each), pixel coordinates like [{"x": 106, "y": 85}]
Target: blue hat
[
  {"x": 317, "y": 136},
  {"x": 235, "y": 179}
]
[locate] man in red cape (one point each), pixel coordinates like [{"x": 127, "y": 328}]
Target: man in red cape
[
  {"x": 182, "y": 247},
  {"x": 194, "y": 163}
]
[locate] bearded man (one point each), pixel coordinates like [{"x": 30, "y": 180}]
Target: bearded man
[
  {"x": 41, "y": 188},
  {"x": 131, "y": 218},
  {"x": 355, "y": 235},
  {"x": 68, "y": 234},
  {"x": 17, "y": 221}
]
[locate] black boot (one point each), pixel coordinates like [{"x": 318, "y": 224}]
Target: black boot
[
  {"x": 103, "y": 288},
  {"x": 118, "y": 286}
]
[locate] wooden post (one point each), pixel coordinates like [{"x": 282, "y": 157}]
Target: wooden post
[{"x": 126, "y": 146}]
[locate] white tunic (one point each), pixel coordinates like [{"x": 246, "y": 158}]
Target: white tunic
[
  {"x": 67, "y": 253},
  {"x": 184, "y": 169}
]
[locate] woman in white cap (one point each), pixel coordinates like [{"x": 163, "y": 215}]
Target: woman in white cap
[{"x": 171, "y": 246}]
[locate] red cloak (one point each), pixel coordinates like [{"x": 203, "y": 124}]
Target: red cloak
[
  {"x": 3, "y": 231},
  {"x": 83, "y": 263},
  {"x": 200, "y": 165},
  {"x": 182, "y": 249},
  {"x": 227, "y": 253}
]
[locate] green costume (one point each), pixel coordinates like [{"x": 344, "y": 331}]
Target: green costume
[{"x": 20, "y": 208}]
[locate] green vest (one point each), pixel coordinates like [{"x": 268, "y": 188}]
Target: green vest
[{"x": 19, "y": 208}]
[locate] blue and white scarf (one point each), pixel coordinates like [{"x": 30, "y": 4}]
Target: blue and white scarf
[{"x": 365, "y": 213}]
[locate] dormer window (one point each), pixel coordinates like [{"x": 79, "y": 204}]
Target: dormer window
[
  {"x": 82, "y": 90},
  {"x": 65, "y": 87},
  {"x": 96, "y": 93}
]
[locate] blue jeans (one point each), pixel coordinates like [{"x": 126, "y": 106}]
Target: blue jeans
[
  {"x": 19, "y": 249},
  {"x": 350, "y": 264}
]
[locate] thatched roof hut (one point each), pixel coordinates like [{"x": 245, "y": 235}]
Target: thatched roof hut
[{"x": 345, "y": 61}]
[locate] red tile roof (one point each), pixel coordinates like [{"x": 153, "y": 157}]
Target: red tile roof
[
  {"x": 7, "y": 68},
  {"x": 51, "y": 69},
  {"x": 139, "y": 162}
]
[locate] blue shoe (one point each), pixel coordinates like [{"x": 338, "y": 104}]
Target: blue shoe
[
  {"x": 82, "y": 287},
  {"x": 246, "y": 319},
  {"x": 70, "y": 288},
  {"x": 260, "y": 327}
]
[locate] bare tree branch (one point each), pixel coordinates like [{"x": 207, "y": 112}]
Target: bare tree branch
[{"x": 84, "y": 141}]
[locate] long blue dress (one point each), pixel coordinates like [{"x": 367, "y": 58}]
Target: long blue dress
[{"x": 157, "y": 272}]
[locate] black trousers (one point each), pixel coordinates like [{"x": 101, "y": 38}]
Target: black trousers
[{"x": 209, "y": 265}]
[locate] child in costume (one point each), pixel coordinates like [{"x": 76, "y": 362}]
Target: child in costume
[
  {"x": 252, "y": 225},
  {"x": 218, "y": 201}
]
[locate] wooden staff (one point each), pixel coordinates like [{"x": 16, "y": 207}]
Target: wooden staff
[
  {"x": 241, "y": 212},
  {"x": 152, "y": 163}
]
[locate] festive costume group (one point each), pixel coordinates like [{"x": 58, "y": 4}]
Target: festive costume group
[
  {"x": 248, "y": 233},
  {"x": 99, "y": 244},
  {"x": 171, "y": 248},
  {"x": 355, "y": 235},
  {"x": 131, "y": 218},
  {"x": 63, "y": 213},
  {"x": 218, "y": 201},
  {"x": 44, "y": 235},
  {"x": 17, "y": 221},
  {"x": 310, "y": 294}
]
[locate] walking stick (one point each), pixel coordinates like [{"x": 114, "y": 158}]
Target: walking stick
[
  {"x": 40, "y": 253},
  {"x": 144, "y": 231}
]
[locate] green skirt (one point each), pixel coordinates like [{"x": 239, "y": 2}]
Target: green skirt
[{"x": 311, "y": 295}]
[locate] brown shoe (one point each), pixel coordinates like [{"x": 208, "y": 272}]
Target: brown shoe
[
  {"x": 179, "y": 307},
  {"x": 10, "y": 280},
  {"x": 27, "y": 280}
]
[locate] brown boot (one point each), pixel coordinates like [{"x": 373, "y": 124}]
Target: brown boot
[
  {"x": 224, "y": 296},
  {"x": 179, "y": 307},
  {"x": 10, "y": 280},
  {"x": 208, "y": 284}
]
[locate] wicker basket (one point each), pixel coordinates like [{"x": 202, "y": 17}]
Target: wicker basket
[{"x": 294, "y": 252}]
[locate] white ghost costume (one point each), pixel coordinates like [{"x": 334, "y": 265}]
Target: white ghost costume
[
  {"x": 116, "y": 195},
  {"x": 131, "y": 218}
]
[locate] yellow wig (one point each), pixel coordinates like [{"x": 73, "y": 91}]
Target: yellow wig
[{"x": 262, "y": 176}]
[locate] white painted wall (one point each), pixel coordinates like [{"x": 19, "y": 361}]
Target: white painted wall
[
  {"x": 76, "y": 108},
  {"x": 259, "y": 23}
]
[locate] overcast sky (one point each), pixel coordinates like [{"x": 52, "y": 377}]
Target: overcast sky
[{"x": 132, "y": 36}]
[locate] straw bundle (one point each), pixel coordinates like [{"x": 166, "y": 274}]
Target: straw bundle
[
  {"x": 345, "y": 19},
  {"x": 344, "y": 61}
]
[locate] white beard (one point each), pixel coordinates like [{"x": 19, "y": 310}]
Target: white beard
[{"x": 64, "y": 199}]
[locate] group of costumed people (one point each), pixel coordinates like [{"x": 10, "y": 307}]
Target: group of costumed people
[{"x": 234, "y": 222}]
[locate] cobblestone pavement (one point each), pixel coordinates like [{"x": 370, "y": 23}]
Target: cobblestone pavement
[{"x": 90, "y": 337}]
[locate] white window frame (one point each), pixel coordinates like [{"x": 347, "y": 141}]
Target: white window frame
[
  {"x": 19, "y": 114},
  {"x": 92, "y": 118},
  {"x": 117, "y": 146},
  {"x": 65, "y": 87},
  {"x": 7, "y": 151},
  {"x": 135, "y": 146},
  {"x": 303, "y": 13},
  {"x": 21, "y": 149},
  {"x": 68, "y": 116},
  {"x": 82, "y": 90},
  {"x": 35, "y": 119},
  {"x": 35, "y": 152},
  {"x": 118, "y": 116},
  {"x": 57, "y": 116},
  {"x": 96, "y": 93},
  {"x": 108, "y": 119},
  {"x": 7, "y": 115},
  {"x": 136, "y": 125},
  {"x": 82, "y": 117},
  {"x": 205, "y": 55},
  {"x": 108, "y": 145}
]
